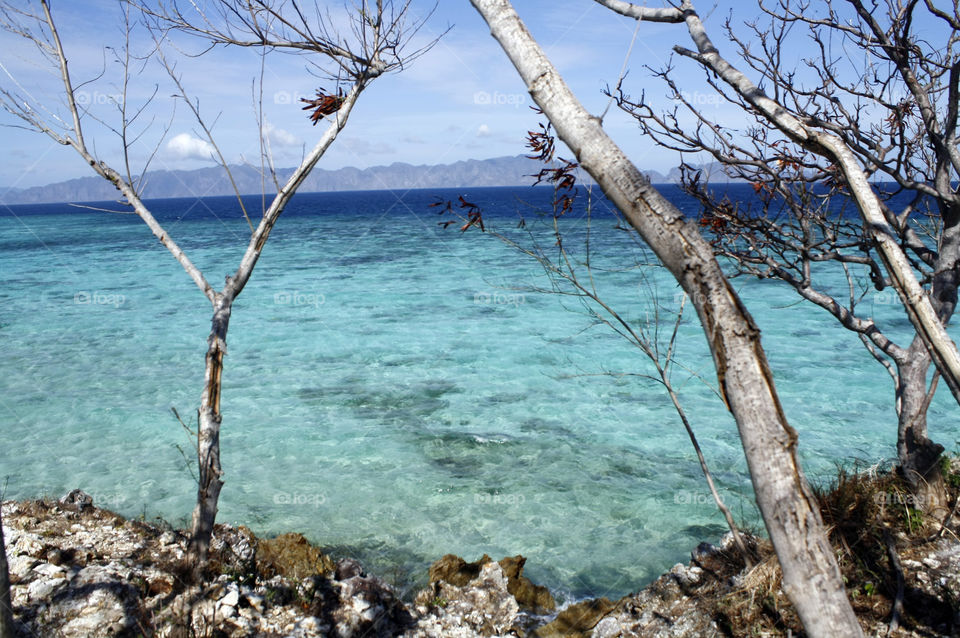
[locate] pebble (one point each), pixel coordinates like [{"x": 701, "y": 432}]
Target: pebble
[
  {"x": 50, "y": 571},
  {"x": 42, "y": 589},
  {"x": 232, "y": 599}
]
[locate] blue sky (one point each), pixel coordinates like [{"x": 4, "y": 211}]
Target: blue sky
[{"x": 462, "y": 100}]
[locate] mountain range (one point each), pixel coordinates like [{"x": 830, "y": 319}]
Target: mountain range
[{"x": 206, "y": 182}]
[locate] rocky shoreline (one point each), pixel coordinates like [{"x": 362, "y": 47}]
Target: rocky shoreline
[{"x": 80, "y": 571}]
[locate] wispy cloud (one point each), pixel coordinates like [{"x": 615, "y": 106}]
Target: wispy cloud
[{"x": 278, "y": 137}]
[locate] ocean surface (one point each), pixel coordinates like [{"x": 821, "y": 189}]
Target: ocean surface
[{"x": 398, "y": 391}]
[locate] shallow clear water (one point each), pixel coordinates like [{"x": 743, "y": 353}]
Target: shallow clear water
[{"x": 397, "y": 391}]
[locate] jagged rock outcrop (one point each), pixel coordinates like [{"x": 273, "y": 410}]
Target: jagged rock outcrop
[
  {"x": 456, "y": 571},
  {"x": 78, "y": 571},
  {"x": 481, "y": 607}
]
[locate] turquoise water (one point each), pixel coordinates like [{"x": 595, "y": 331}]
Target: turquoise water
[{"x": 397, "y": 391}]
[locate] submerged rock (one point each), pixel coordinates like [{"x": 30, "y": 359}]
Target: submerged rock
[
  {"x": 578, "y": 620},
  {"x": 458, "y": 572},
  {"x": 533, "y": 597},
  {"x": 293, "y": 556},
  {"x": 454, "y": 570}
]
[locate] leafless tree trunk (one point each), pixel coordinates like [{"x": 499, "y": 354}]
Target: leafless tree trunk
[
  {"x": 812, "y": 578},
  {"x": 209, "y": 416},
  {"x": 919, "y": 456},
  {"x": 896, "y": 121},
  {"x": 6, "y": 608},
  {"x": 825, "y": 143},
  {"x": 381, "y": 34}
]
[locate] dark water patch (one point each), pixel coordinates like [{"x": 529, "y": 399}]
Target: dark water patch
[
  {"x": 464, "y": 441},
  {"x": 460, "y": 466},
  {"x": 554, "y": 428},
  {"x": 296, "y": 319},
  {"x": 466, "y": 455},
  {"x": 402, "y": 361},
  {"x": 501, "y": 398},
  {"x": 407, "y": 407},
  {"x": 632, "y": 466},
  {"x": 600, "y": 581},
  {"x": 710, "y": 533},
  {"x": 312, "y": 394},
  {"x": 362, "y": 260}
]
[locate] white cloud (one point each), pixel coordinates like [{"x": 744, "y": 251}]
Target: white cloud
[
  {"x": 185, "y": 146},
  {"x": 483, "y": 131},
  {"x": 279, "y": 137}
]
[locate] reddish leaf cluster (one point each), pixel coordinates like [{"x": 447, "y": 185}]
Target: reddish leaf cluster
[
  {"x": 899, "y": 113},
  {"x": 714, "y": 223},
  {"x": 564, "y": 182},
  {"x": 324, "y": 104},
  {"x": 474, "y": 214},
  {"x": 541, "y": 143},
  {"x": 716, "y": 218}
]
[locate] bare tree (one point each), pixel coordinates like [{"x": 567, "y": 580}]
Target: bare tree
[
  {"x": 377, "y": 43},
  {"x": 811, "y": 576},
  {"x": 892, "y": 118}
]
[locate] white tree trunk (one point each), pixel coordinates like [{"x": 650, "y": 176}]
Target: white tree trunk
[
  {"x": 916, "y": 302},
  {"x": 208, "y": 444},
  {"x": 811, "y": 576},
  {"x": 918, "y": 456},
  {"x": 208, "y": 435}
]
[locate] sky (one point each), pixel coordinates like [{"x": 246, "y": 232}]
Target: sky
[{"x": 461, "y": 100}]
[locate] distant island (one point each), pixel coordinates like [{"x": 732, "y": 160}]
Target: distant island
[{"x": 209, "y": 182}]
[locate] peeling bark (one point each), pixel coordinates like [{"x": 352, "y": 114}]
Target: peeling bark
[
  {"x": 811, "y": 575},
  {"x": 918, "y": 457},
  {"x": 209, "y": 472}
]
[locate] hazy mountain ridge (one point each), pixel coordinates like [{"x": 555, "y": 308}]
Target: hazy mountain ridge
[{"x": 208, "y": 182}]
